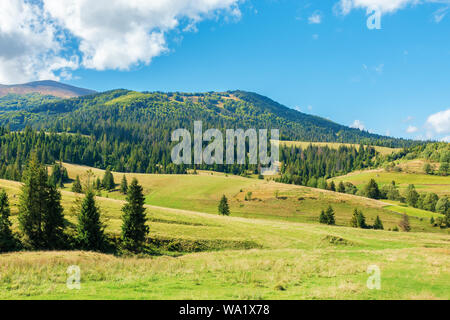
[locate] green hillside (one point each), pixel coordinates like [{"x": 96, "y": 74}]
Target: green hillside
[{"x": 206, "y": 256}]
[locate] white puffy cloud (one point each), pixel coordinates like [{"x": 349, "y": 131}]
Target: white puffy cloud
[
  {"x": 412, "y": 129},
  {"x": 30, "y": 44},
  {"x": 357, "y": 124},
  {"x": 439, "y": 122},
  {"x": 315, "y": 18},
  {"x": 384, "y": 6},
  {"x": 45, "y": 39}
]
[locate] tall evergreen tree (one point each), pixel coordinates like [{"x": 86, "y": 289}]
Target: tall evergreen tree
[
  {"x": 378, "y": 225},
  {"x": 134, "y": 228},
  {"x": 371, "y": 190},
  {"x": 40, "y": 213},
  {"x": 124, "y": 185},
  {"x": 330, "y": 216},
  {"x": 323, "y": 217},
  {"x": 76, "y": 186},
  {"x": 90, "y": 229},
  {"x": 7, "y": 241},
  {"x": 224, "y": 209},
  {"x": 108, "y": 180}
]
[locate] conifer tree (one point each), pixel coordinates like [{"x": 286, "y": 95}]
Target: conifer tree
[
  {"x": 90, "y": 229},
  {"x": 41, "y": 216},
  {"x": 76, "y": 186},
  {"x": 330, "y": 216},
  {"x": 378, "y": 225},
  {"x": 323, "y": 217},
  {"x": 371, "y": 190},
  {"x": 354, "y": 220},
  {"x": 341, "y": 187},
  {"x": 224, "y": 209},
  {"x": 124, "y": 185},
  {"x": 134, "y": 228},
  {"x": 108, "y": 180},
  {"x": 7, "y": 241}
]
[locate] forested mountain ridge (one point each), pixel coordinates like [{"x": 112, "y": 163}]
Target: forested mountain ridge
[
  {"x": 45, "y": 88},
  {"x": 124, "y": 110}
]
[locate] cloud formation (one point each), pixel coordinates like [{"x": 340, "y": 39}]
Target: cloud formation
[
  {"x": 45, "y": 39},
  {"x": 316, "y": 18},
  {"x": 357, "y": 124},
  {"x": 384, "y": 6},
  {"x": 439, "y": 122}
]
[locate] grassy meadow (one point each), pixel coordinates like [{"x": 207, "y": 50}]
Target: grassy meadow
[
  {"x": 335, "y": 145},
  {"x": 412, "y": 173},
  {"x": 269, "y": 248}
]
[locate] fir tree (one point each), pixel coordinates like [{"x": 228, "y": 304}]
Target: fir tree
[
  {"x": 108, "y": 180},
  {"x": 330, "y": 216},
  {"x": 378, "y": 225},
  {"x": 323, "y": 217},
  {"x": 341, "y": 187},
  {"x": 371, "y": 190},
  {"x": 224, "y": 209},
  {"x": 7, "y": 241},
  {"x": 134, "y": 228},
  {"x": 40, "y": 213},
  {"x": 90, "y": 229},
  {"x": 124, "y": 185},
  {"x": 76, "y": 186}
]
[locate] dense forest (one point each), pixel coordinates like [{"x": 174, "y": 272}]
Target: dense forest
[
  {"x": 128, "y": 131},
  {"x": 131, "y": 115}
]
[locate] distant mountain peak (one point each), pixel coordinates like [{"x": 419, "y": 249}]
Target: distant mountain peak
[{"x": 45, "y": 87}]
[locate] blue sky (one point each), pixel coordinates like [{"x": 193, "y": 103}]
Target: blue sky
[{"x": 319, "y": 57}]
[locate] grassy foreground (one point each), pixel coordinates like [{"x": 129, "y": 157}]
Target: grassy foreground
[
  {"x": 267, "y": 249},
  {"x": 292, "y": 261}
]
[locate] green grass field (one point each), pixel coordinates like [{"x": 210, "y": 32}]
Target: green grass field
[
  {"x": 336, "y": 145},
  {"x": 268, "y": 249},
  {"x": 423, "y": 182}
]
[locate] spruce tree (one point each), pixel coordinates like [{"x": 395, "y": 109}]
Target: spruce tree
[
  {"x": 7, "y": 241},
  {"x": 76, "y": 186},
  {"x": 134, "y": 228},
  {"x": 108, "y": 180},
  {"x": 41, "y": 216},
  {"x": 90, "y": 229},
  {"x": 330, "y": 216},
  {"x": 341, "y": 187},
  {"x": 362, "y": 220},
  {"x": 323, "y": 217},
  {"x": 371, "y": 190},
  {"x": 378, "y": 225},
  {"x": 354, "y": 220},
  {"x": 124, "y": 185},
  {"x": 224, "y": 209}
]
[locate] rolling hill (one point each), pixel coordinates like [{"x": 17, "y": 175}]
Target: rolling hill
[
  {"x": 254, "y": 256},
  {"x": 232, "y": 109}
]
